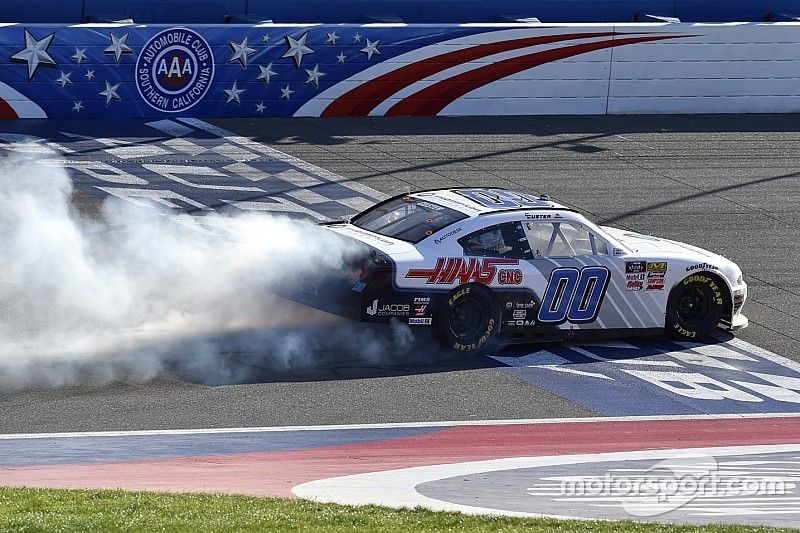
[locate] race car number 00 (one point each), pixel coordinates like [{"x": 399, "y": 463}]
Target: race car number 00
[{"x": 574, "y": 295}]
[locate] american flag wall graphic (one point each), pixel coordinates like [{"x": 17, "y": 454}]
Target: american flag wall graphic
[{"x": 117, "y": 70}]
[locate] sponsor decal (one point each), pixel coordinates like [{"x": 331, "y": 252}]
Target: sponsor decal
[
  {"x": 634, "y": 285},
  {"x": 525, "y": 305},
  {"x": 420, "y": 310},
  {"x": 656, "y": 266},
  {"x": 509, "y": 277},
  {"x": 174, "y": 70},
  {"x": 701, "y": 266},
  {"x": 359, "y": 286},
  {"x": 413, "y": 321},
  {"x": 388, "y": 309},
  {"x": 420, "y": 300},
  {"x": 656, "y": 284},
  {"x": 520, "y": 323},
  {"x": 447, "y": 235},
  {"x": 448, "y": 270},
  {"x": 509, "y": 305},
  {"x": 520, "y": 314},
  {"x": 634, "y": 267},
  {"x": 655, "y": 280}
]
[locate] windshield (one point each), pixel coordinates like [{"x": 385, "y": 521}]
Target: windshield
[{"x": 407, "y": 218}]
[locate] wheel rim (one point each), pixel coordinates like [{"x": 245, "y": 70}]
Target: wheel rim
[
  {"x": 466, "y": 318},
  {"x": 693, "y": 306}
]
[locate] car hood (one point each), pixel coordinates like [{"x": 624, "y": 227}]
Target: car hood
[
  {"x": 647, "y": 246},
  {"x": 644, "y": 244}
]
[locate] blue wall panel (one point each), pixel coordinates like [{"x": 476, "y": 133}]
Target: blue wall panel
[
  {"x": 52, "y": 11},
  {"x": 410, "y": 11},
  {"x": 166, "y": 12},
  {"x": 92, "y": 71}
]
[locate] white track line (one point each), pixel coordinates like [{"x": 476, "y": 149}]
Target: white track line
[
  {"x": 397, "y": 488},
  {"x": 390, "y": 425}
]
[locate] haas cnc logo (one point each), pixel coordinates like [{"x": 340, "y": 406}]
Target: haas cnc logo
[
  {"x": 449, "y": 269},
  {"x": 174, "y": 70}
]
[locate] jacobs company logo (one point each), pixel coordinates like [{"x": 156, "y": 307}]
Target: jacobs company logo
[{"x": 174, "y": 70}]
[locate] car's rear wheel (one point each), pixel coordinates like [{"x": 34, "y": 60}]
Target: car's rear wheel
[
  {"x": 468, "y": 320},
  {"x": 695, "y": 307}
]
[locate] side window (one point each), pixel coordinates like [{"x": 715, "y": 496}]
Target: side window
[
  {"x": 563, "y": 239},
  {"x": 501, "y": 240}
]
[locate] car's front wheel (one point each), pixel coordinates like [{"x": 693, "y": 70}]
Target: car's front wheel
[
  {"x": 695, "y": 307},
  {"x": 468, "y": 320}
]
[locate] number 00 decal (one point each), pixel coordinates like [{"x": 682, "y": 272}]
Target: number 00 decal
[{"x": 574, "y": 295}]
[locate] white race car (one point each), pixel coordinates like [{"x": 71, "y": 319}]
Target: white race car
[{"x": 488, "y": 266}]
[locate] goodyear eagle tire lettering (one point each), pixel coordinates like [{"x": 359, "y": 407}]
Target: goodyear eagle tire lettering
[
  {"x": 468, "y": 320},
  {"x": 695, "y": 307}
]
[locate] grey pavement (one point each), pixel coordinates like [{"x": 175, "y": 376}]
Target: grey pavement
[{"x": 727, "y": 183}]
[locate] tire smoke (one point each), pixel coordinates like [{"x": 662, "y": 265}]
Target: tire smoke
[{"x": 140, "y": 293}]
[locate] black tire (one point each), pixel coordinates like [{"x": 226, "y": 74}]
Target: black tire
[
  {"x": 468, "y": 320},
  {"x": 695, "y": 307}
]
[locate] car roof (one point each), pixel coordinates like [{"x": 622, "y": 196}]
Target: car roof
[{"x": 474, "y": 201}]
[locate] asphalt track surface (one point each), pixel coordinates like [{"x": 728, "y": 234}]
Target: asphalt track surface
[{"x": 727, "y": 183}]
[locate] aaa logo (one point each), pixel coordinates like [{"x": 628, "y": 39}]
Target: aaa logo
[{"x": 174, "y": 70}]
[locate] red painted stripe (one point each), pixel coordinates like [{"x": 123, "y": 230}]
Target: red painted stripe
[
  {"x": 431, "y": 100},
  {"x": 275, "y": 473},
  {"x": 6, "y": 111},
  {"x": 364, "y": 98}
]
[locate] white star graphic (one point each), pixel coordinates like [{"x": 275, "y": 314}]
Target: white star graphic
[
  {"x": 79, "y": 56},
  {"x": 357, "y": 38},
  {"x": 233, "y": 94},
  {"x": 314, "y": 75},
  {"x": 89, "y": 74},
  {"x": 266, "y": 73},
  {"x": 35, "y": 53},
  {"x": 331, "y": 37},
  {"x": 77, "y": 106},
  {"x": 118, "y": 47},
  {"x": 265, "y": 38},
  {"x": 297, "y": 49},
  {"x": 260, "y": 107},
  {"x": 340, "y": 57},
  {"x": 370, "y": 49},
  {"x": 110, "y": 93},
  {"x": 240, "y": 52},
  {"x": 285, "y": 93},
  {"x": 64, "y": 79}
]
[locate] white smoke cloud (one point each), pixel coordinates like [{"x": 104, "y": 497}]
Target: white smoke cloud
[{"x": 134, "y": 295}]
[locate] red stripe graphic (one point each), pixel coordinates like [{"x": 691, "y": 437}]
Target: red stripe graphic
[
  {"x": 6, "y": 111},
  {"x": 364, "y": 98},
  {"x": 431, "y": 100}
]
